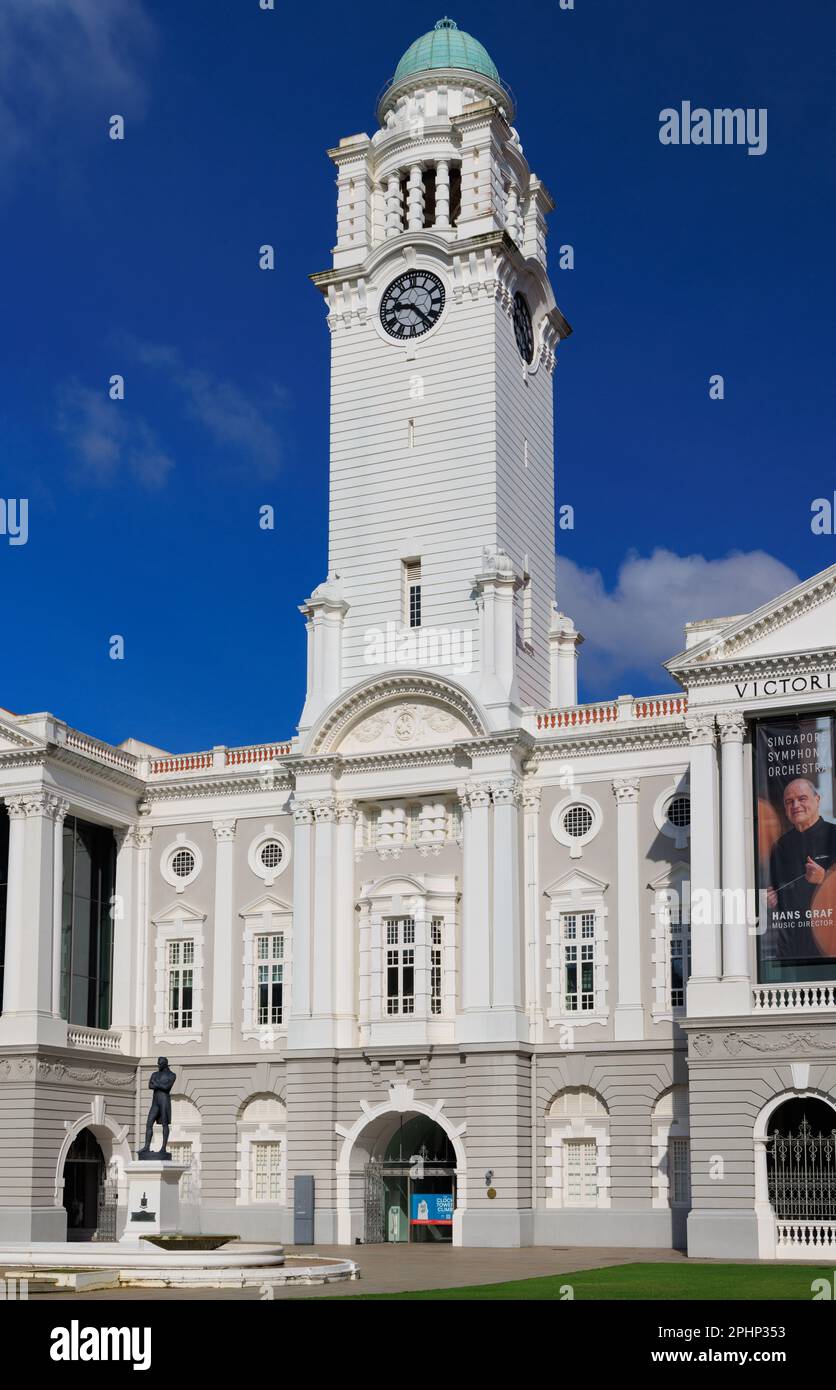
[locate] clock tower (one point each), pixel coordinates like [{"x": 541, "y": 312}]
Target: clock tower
[{"x": 444, "y": 330}]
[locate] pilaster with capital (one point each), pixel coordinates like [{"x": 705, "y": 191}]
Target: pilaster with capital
[
  {"x": 705, "y": 863},
  {"x": 507, "y": 941},
  {"x": 475, "y": 798},
  {"x": 224, "y": 955},
  {"x": 629, "y": 1011},
  {"x": 29, "y": 1012},
  {"x": 531, "y": 798},
  {"x": 733, "y": 841},
  {"x": 303, "y": 834},
  {"x": 345, "y": 933}
]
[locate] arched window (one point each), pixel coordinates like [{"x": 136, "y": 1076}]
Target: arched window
[
  {"x": 671, "y": 1149},
  {"x": 262, "y": 1152},
  {"x": 184, "y": 1145},
  {"x": 577, "y": 1149}
]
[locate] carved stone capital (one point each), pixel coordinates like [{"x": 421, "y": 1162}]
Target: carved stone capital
[
  {"x": 702, "y": 730},
  {"x": 506, "y": 792},
  {"x": 325, "y": 810},
  {"x": 303, "y": 814},
  {"x": 732, "y": 727},
  {"x": 531, "y": 798},
  {"x": 224, "y": 831},
  {"x": 626, "y": 790},
  {"x": 347, "y": 812},
  {"x": 15, "y": 807}
]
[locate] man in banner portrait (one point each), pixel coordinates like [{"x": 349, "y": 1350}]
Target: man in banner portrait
[{"x": 798, "y": 863}]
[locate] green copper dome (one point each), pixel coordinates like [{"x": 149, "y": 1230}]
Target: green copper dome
[{"x": 446, "y": 46}]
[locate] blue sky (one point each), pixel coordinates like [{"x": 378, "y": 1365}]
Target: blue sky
[{"x": 140, "y": 257}]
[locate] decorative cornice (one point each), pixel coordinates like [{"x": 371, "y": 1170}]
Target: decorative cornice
[
  {"x": 757, "y": 667},
  {"x": 614, "y": 739}
]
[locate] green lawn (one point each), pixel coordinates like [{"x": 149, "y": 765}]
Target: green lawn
[{"x": 648, "y": 1281}]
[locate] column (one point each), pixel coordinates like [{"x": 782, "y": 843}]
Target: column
[
  {"x": 301, "y": 999},
  {"x": 30, "y": 923},
  {"x": 144, "y": 1005},
  {"x": 325, "y": 812},
  {"x": 475, "y": 799},
  {"x": 705, "y": 866},
  {"x": 346, "y": 928},
  {"x": 442, "y": 195},
  {"x": 61, "y": 809},
  {"x": 531, "y": 907},
  {"x": 507, "y": 961},
  {"x": 629, "y": 1014},
  {"x": 415, "y": 199},
  {"x": 125, "y": 937},
  {"x": 224, "y": 971},
  {"x": 733, "y": 841},
  {"x": 393, "y": 206}
]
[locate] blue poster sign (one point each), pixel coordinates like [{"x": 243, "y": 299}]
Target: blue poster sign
[{"x": 432, "y": 1209}]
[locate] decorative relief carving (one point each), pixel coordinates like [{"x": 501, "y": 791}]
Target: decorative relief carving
[
  {"x": 30, "y": 1069},
  {"x": 404, "y": 725},
  {"x": 702, "y": 729},
  {"x": 626, "y": 790},
  {"x": 734, "y": 1043}
]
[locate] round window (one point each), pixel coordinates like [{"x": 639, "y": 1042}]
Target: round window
[
  {"x": 271, "y": 854},
  {"x": 577, "y": 821},
  {"x": 679, "y": 812},
  {"x": 182, "y": 863}
]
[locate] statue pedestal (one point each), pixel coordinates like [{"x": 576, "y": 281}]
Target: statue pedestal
[{"x": 153, "y": 1198}]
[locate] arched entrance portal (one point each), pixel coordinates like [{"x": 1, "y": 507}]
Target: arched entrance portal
[
  {"x": 84, "y": 1176},
  {"x": 801, "y": 1160},
  {"x": 410, "y": 1183}
]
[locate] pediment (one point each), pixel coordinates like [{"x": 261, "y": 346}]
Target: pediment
[
  {"x": 267, "y": 902},
  {"x": 177, "y": 912},
  {"x": 13, "y": 741},
  {"x": 577, "y": 883},
  {"x": 801, "y": 621},
  {"x": 404, "y": 712},
  {"x": 671, "y": 875}
]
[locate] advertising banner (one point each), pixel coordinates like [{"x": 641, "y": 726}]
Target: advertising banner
[
  {"x": 432, "y": 1209},
  {"x": 796, "y": 847}
]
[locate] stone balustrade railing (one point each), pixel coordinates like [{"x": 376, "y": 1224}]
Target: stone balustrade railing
[{"x": 93, "y": 1039}]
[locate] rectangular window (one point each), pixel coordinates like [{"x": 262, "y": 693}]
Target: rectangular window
[
  {"x": 577, "y": 931},
  {"x": 580, "y": 1167},
  {"x": 436, "y": 963},
  {"x": 679, "y": 1172},
  {"x": 400, "y": 966},
  {"x": 412, "y": 592},
  {"x": 180, "y": 988},
  {"x": 266, "y": 1171},
  {"x": 680, "y": 959},
  {"x": 269, "y": 955},
  {"x": 87, "y": 923}
]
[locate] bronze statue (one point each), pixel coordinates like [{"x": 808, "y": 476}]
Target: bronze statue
[{"x": 161, "y": 1083}]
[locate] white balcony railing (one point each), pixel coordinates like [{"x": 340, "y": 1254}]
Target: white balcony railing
[
  {"x": 801, "y": 998},
  {"x": 93, "y": 1039},
  {"x": 804, "y": 1239}
]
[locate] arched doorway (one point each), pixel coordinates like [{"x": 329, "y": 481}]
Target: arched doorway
[
  {"x": 84, "y": 1177},
  {"x": 801, "y": 1160},
  {"x": 410, "y": 1183}
]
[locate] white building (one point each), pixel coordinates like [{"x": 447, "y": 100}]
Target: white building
[{"x": 435, "y": 949}]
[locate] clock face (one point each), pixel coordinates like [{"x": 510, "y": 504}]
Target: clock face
[
  {"x": 523, "y": 331},
  {"x": 412, "y": 304}
]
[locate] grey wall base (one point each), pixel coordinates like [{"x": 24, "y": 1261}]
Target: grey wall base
[
  {"x": 643, "y": 1228},
  {"x": 497, "y": 1230},
  {"x": 30, "y": 1224},
  {"x": 723, "y": 1235}
]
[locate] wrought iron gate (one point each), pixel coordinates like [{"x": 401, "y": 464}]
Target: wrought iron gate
[
  {"x": 106, "y": 1208},
  {"x": 374, "y": 1225},
  {"x": 801, "y": 1174}
]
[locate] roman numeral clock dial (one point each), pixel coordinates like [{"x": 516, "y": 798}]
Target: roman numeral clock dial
[{"x": 412, "y": 304}]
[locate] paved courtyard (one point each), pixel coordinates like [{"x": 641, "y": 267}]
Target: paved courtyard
[{"x": 398, "y": 1269}]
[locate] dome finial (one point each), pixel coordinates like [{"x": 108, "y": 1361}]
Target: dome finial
[{"x": 445, "y": 23}]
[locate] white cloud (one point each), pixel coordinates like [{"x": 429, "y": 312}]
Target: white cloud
[
  {"x": 109, "y": 441},
  {"x": 639, "y": 623},
  {"x": 233, "y": 419},
  {"x": 60, "y": 62}
]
